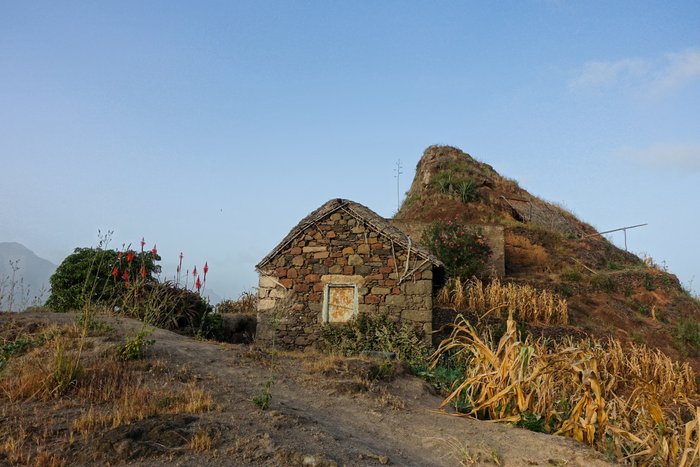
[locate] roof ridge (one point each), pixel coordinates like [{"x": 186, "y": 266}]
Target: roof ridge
[{"x": 361, "y": 212}]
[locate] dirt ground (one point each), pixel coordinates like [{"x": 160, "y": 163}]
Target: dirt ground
[{"x": 323, "y": 411}]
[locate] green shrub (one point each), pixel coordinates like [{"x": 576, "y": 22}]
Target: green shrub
[
  {"x": 605, "y": 283},
  {"x": 688, "y": 335},
  {"x": 377, "y": 333},
  {"x": 87, "y": 276},
  {"x": 649, "y": 282},
  {"x": 14, "y": 348},
  {"x": 134, "y": 347},
  {"x": 211, "y": 327},
  {"x": 449, "y": 370},
  {"x": 444, "y": 182},
  {"x": 572, "y": 275},
  {"x": 263, "y": 399},
  {"x": 565, "y": 290},
  {"x": 462, "y": 249},
  {"x": 532, "y": 421},
  {"x": 457, "y": 185}
]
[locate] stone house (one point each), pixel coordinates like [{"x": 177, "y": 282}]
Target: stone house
[{"x": 341, "y": 260}]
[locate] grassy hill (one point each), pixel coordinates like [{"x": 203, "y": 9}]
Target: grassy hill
[{"x": 610, "y": 292}]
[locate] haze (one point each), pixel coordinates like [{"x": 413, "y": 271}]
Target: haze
[{"x": 211, "y": 128}]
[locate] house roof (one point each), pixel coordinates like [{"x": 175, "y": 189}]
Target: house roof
[{"x": 361, "y": 213}]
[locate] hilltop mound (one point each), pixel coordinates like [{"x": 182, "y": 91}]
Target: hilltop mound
[{"x": 610, "y": 291}]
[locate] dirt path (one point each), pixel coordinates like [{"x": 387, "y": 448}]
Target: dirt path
[{"x": 326, "y": 412}]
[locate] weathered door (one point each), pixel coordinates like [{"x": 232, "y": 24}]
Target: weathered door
[{"x": 341, "y": 303}]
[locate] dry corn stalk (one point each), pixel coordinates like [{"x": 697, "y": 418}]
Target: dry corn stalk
[
  {"x": 525, "y": 302},
  {"x": 634, "y": 402}
]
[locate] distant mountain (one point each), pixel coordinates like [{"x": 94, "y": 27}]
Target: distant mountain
[
  {"x": 214, "y": 298},
  {"x": 24, "y": 277}
]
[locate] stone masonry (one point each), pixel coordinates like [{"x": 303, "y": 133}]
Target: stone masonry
[{"x": 340, "y": 248}]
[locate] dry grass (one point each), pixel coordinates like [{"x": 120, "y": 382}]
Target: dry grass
[
  {"x": 496, "y": 299},
  {"x": 61, "y": 369},
  {"x": 201, "y": 442},
  {"x": 323, "y": 363},
  {"x": 634, "y": 403}
]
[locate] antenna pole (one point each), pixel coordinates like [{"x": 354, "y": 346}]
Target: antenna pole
[{"x": 397, "y": 176}]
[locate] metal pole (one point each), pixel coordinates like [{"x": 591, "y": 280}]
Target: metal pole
[
  {"x": 614, "y": 230},
  {"x": 398, "y": 174}
]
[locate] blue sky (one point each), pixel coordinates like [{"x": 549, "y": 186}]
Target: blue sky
[{"x": 211, "y": 128}]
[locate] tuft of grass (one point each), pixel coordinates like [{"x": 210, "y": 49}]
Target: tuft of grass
[
  {"x": 264, "y": 399},
  {"x": 201, "y": 441},
  {"x": 135, "y": 346},
  {"x": 66, "y": 369},
  {"x": 455, "y": 184}
]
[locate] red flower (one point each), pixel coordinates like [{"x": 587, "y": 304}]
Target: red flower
[
  {"x": 154, "y": 251},
  {"x": 143, "y": 272},
  {"x": 143, "y": 242},
  {"x": 194, "y": 271},
  {"x": 206, "y": 269},
  {"x": 115, "y": 271},
  {"x": 130, "y": 256},
  {"x": 125, "y": 276},
  {"x": 198, "y": 284}
]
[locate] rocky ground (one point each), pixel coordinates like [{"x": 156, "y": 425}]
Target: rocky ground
[{"x": 322, "y": 411}]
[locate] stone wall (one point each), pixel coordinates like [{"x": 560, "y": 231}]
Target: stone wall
[
  {"x": 493, "y": 234},
  {"x": 339, "y": 249}
]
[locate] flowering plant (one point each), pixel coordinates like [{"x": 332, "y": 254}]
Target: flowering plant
[{"x": 461, "y": 248}]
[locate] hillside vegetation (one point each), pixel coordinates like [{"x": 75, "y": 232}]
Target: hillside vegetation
[
  {"x": 610, "y": 292},
  {"x": 578, "y": 339}
]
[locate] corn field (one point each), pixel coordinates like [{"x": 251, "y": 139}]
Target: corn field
[
  {"x": 527, "y": 303},
  {"x": 635, "y": 404}
]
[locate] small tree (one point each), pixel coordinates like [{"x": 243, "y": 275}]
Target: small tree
[
  {"x": 96, "y": 275},
  {"x": 461, "y": 248}
]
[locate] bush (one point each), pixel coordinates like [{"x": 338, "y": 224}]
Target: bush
[
  {"x": 377, "y": 333},
  {"x": 688, "y": 335},
  {"x": 211, "y": 327},
  {"x": 164, "y": 305},
  {"x": 604, "y": 283},
  {"x": 463, "y": 250},
  {"x": 87, "y": 276}
]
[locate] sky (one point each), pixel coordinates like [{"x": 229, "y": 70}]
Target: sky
[{"x": 211, "y": 128}]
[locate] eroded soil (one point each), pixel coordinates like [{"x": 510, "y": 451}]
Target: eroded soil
[{"x": 323, "y": 411}]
